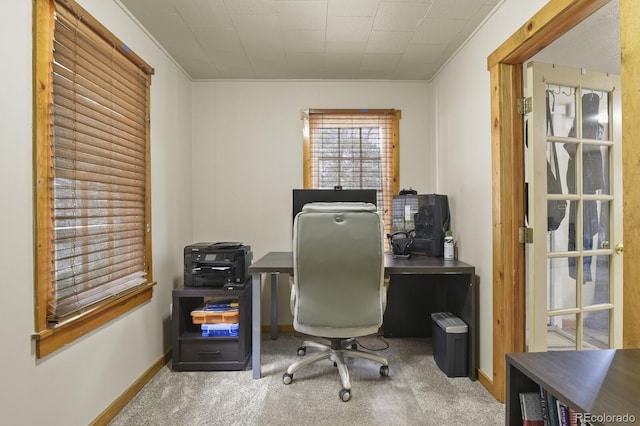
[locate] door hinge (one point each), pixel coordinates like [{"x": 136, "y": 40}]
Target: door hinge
[
  {"x": 524, "y": 105},
  {"x": 525, "y": 235}
]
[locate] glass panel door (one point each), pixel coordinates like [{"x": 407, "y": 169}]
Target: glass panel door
[{"x": 574, "y": 272}]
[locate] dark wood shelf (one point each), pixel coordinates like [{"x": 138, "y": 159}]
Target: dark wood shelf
[
  {"x": 192, "y": 335},
  {"x": 598, "y": 382}
]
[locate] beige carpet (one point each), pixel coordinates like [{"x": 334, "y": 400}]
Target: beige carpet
[{"x": 417, "y": 392}]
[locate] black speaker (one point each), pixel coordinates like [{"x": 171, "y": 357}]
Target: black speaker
[{"x": 431, "y": 222}]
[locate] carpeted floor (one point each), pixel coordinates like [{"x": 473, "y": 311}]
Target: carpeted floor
[{"x": 417, "y": 392}]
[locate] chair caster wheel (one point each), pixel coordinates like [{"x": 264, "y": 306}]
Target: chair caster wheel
[
  {"x": 384, "y": 371},
  {"x": 345, "y": 395},
  {"x": 287, "y": 378},
  {"x": 302, "y": 351}
]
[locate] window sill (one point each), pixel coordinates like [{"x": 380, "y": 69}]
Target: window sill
[{"x": 49, "y": 340}]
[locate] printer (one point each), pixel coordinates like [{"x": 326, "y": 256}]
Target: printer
[{"x": 216, "y": 264}]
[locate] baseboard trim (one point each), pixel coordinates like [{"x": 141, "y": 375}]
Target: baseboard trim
[
  {"x": 489, "y": 386},
  {"x": 112, "y": 410}
]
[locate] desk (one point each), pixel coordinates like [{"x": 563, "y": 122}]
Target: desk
[{"x": 460, "y": 294}]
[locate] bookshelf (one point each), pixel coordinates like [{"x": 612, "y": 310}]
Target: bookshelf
[{"x": 600, "y": 383}]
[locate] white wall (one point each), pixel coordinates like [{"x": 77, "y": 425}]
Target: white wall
[
  {"x": 247, "y": 155},
  {"x": 462, "y": 105},
  {"x": 75, "y": 384},
  {"x": 445, "y": 147}
]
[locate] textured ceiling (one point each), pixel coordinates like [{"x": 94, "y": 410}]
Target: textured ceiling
[
  {"x": 594, "y": 44},
  {"x": 310, "y": 39}
]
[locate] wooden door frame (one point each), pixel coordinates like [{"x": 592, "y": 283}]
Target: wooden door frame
[{"x": 505, "y": 65}]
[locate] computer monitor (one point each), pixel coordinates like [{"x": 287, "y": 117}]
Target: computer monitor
[{"x": 304, "y": 196}]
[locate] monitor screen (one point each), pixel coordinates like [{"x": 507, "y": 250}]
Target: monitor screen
[{"x": 304, "y": 196}]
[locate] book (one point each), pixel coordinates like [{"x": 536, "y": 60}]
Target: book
[
  {"x": 563, "y": 413},
  {"x": 531, "y": 409},
  {"x": 544, "y": 407},
  {"x": 573, "y": 419},
  {"x": 552, "y": 404},
  {"x": 217, "y": 306}
]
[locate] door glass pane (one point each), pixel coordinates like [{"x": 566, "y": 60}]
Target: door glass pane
[
  {"x": 596, "y": 290},
  {"x": 590, "y": 224},
  {"x": 567, "y": 163},
  {"x": 557, "y": 164},
  {"x": 561, "y": 288},
  {"x": 595, "y": 160},
  {"x": 595, "y": 115},
  {"x": 571, "y": 225},
  {"x": 557, "y": 184},
  {"x": 561, "y": 111},
  {"x": 558, "y": 240},
  {"x": 561, "y": 332},
  {"x": 606, "y": 155},
  {"x": 596, "y": 330},
  {"x": 602, "y": 235}
]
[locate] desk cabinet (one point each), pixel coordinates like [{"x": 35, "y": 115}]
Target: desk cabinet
[
  {"x": 193, "y": 352},
  {"x": 423, "y": 285}
]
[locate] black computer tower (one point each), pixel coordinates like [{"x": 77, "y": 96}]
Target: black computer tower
[{"x": 427, "y": 215}]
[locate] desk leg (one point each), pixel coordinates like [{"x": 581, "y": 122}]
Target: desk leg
[
  {"x": 274, "y": 306},
  {"x": 255, "y": 324},
  {"x": 474, "y": 329}
]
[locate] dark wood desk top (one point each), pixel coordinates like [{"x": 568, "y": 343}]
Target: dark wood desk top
[
  {"x": 274, "y": 261},
  {"x": 597, "y": 382},
  {"x": 421, "y": 264},
  {"x": 282, "y": 261}
]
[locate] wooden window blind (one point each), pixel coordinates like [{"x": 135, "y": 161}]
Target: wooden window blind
[
  {"x": 354, "y": 149},
  {"x": 92, "y": 169}
]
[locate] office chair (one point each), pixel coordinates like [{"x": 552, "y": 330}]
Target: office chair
[{"x": 338, "y": 285}]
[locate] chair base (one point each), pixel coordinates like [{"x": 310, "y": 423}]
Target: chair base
[{"x": 337, "y": 351}]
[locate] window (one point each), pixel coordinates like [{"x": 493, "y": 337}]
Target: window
[
  {"x": 91, "y": 168},
  {"x": 354, "y": 149}
]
